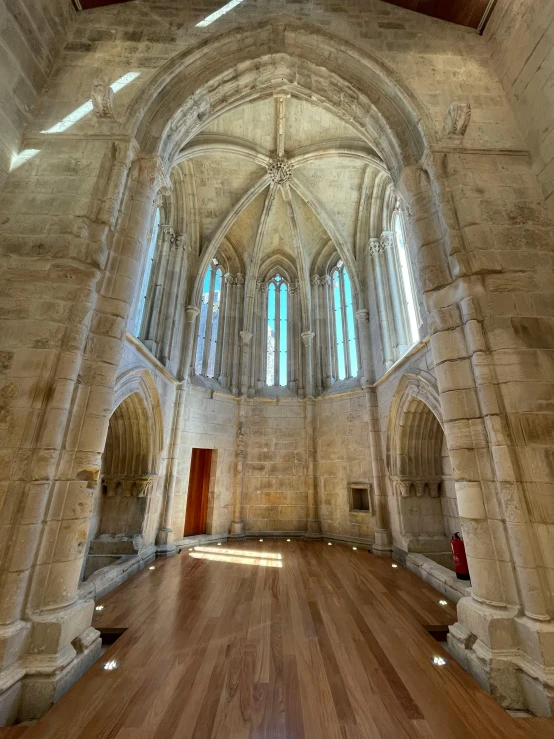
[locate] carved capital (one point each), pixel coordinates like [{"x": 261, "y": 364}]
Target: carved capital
[
  {"x": 229, "y": 278},
  {"x": 191, "y": 311},
  {"x": 307, "y": 337},
  {"x": 375, "y": 247},
  {"x": 261, "y": 287},
  {"x": 362, "y": 316},
  {"x": 239, "y": 279},
  {"x": 386, "y": 240},
  {"x": 152, "y": 173}
]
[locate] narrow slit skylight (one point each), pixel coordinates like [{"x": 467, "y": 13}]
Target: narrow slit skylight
[
  {"x": 218, "y": 13},
  {"x": 86, "y": 108}
]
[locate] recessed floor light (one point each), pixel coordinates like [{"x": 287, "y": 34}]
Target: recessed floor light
[
  {"x": 438, "y": 661},
  {"x": 113, "y": 664},
  {"x": 218, "y": 543},
  {"x": 261, "y": 539},
  {"x": 288, "y": 539},
  {"x": 151, "y": 567},
  {"x": 355, "y": 549},
  {"x": 329, "y": 544},
  {"x": 99, "y": 608},
  {"x": 394, "y": 566},
  {"x": 443, "y": 602}
]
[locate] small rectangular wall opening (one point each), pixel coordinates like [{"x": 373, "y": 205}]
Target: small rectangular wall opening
[{"x": 360, "y": 497}]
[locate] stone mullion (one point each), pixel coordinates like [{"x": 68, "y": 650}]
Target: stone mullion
[
  {"x": 263, "y": 335},
  {"x": 219, "y": 348},
  {"x": 209, "y": 316},
  {"x": 345, "y": 335},
  {"x": 255, "y": 360},
  {"x": 297, "y": 365},
  {"x": 227, "y": 304},
  {"x": 333, "y": 331}
]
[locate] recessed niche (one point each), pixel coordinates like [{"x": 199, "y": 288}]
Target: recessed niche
[{"x": 360, "y": 498}]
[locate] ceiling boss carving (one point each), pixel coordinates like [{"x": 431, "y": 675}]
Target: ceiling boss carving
[{"x": 279, "y": 170}]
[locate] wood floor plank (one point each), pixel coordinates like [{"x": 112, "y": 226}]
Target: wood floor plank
[{"x": 277, "y": 640}]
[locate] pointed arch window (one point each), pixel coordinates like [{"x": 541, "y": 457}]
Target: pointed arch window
[
  {"x": 407, "y": 282},
  {"x": 208, "y": 325},
  {"x": 345, "y": 332},
  {"x": 147, "y": 272},
  {"x": 277, "y": 331}
]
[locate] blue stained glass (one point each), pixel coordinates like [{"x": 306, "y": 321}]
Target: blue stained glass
[
  {"x": 350, "y": 324},
  {"x": 283, "y": 335},
  {"x": 270, "y": 374},
  {"x": 338, "y": 326},
  {"x": 202, "y": 321}
]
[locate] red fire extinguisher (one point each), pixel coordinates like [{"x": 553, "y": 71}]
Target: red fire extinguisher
[{"x": 459, "y": 555}]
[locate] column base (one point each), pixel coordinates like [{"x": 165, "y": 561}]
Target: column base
[
  {"x": 236, "y": 530},
  {"x": 314, "y": 530},
  {"x": 382, "y": 546},
  {"x": 30, "y": 687},
  {"x": 164, "y": 543},
  {"x": 510, "y": 656}
]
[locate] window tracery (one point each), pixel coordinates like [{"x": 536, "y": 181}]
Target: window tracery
[{"x": 209, "y": 321}]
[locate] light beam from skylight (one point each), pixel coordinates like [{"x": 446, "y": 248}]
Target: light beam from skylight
[
  {"x": 86, "y": 108},
  {"x": 218, "y": 13}
]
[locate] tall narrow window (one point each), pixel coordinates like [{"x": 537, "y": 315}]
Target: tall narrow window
[
  {"x": 208, "y": 325},
  {"x": 345, "y": 331},
  {"x": 147, "y": 272},
  {"x": 406, "y": 277},
  {"x": 277, "y": 332}
]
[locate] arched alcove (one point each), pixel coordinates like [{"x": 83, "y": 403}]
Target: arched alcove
[
  {"x": 420, "y": 470},
  {"x": 129, "y": 472}
]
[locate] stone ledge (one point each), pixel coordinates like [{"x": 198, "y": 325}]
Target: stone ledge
[
  {"x": 439, "y": 577},
  {"x": 104, "y": 580}
]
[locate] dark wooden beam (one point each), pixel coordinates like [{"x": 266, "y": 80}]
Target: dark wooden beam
[
  {"x": 464, "y": 12},
  {"x": 89, "y": 4}
]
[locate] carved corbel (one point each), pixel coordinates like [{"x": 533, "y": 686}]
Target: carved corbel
[{"x": 457, "y": 120}]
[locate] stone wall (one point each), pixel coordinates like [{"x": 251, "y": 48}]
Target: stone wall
[
  {"x": 344, "y": 457},
  {"x": 210, "y": 422},
  {"x": 31, "y": 36},
  {"x": 276, "y": 466},
  {"x": 520, "y": 36}
]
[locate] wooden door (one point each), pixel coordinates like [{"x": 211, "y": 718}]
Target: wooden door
[{"x": 199, "y": 487}]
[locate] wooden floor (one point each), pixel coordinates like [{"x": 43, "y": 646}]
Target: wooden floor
[{"x": 275, "y": 639}]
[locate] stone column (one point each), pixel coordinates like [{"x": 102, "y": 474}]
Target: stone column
[
  {"x": 173, "y": 280},
  {"x": 313, "y": 529},
  {"x": 164, "y": 539},
  {"x": 362, "y": 317},
  {"x": 239, "y": 310},
  {"x": 308, "y": 341},
  {"x": 376, "y": 249},
  {"x": 151, "y": 319},
  {"x": 46, "y": 629},
  {"x": 382, "y": 542},
  {"x": 399, "y": 316},
  {"x": 490, "y": 320},
  {"x": 246, "y": 338},
  {"x": 236, "y": 530}
]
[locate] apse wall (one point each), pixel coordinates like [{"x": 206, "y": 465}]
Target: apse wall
[
  {"x": 520, "y": 37},
  {"x": 31, "y": 37},
  {"x": 210, "y": 422}
]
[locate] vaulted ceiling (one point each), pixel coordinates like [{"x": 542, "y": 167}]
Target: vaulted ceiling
[{"x": 283, "y": 181}]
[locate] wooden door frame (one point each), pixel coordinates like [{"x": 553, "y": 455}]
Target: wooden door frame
[{"x": 197, "y": 518}]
